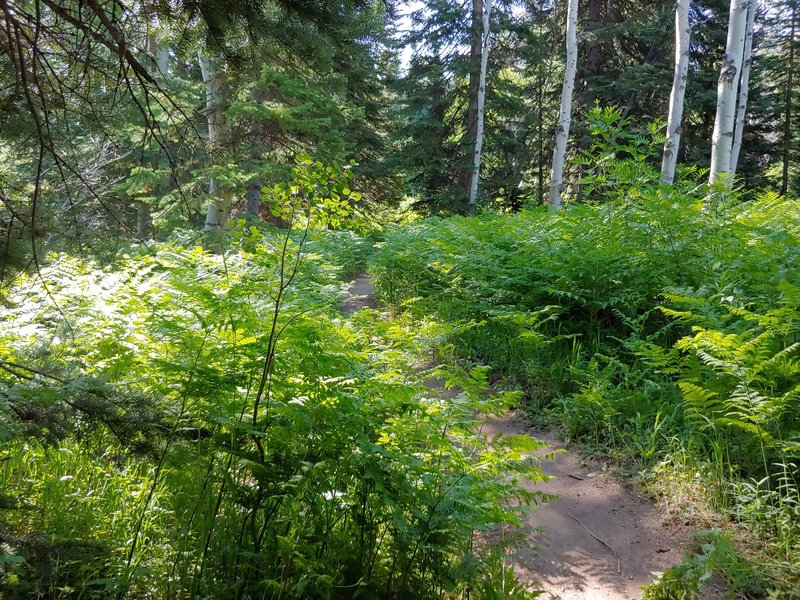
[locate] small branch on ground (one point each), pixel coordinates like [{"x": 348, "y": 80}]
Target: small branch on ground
[{"x": 619, "y": 560}]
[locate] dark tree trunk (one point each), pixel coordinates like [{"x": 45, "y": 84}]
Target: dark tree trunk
[
  {"x": 787, "y": 120},
  {"x": 540, "y": 135},
  {"x": 594, "y": 55},
  {"x": 475, "y": 48},
  {"x": 593, "y": 49}
]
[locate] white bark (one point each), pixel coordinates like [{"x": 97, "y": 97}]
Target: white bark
[
  {"x": 730, "y": 73},
  {"x": 162, "y": 60},
  {"x": 670, "y": 157},
  {"x": 215, "y": 81},
  {"x": 476, "y": 157},
  {"x": 744, "y": 87},
  {"x": 565, "y": 113}
]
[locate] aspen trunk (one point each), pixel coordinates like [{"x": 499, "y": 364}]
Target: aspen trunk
[
  {"x": 475, "y": 53},
  {"x": 162, "y": 60},
  {"x": 787, "y": 118},
  {"x": 565, "y": 112},
  {"x": 730, "y": 72},
  {"x": 215, "y": 81},
  {"x": 672, "y": 143},
  {"x": 476, "y": 158},
  {"x": 744, "y": 87}
]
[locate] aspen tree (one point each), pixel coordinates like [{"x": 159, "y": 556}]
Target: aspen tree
[
  {"x": 475, "y": 54},
  {"x": 672, "y": 143},
  {"x": 215, "y": 81},
  {"x": 562, "y": 132},
  {"x": 744, "y": 87},
  {"x": 730, "y": 73},
  {"x": 476, "y": 157}
]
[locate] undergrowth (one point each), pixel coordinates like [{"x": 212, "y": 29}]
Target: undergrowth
[
  {"x": 182, "y": 423},
  {"x": 660, "y": 326}
]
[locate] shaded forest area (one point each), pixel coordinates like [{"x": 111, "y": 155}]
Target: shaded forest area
[{"x": 586, "y": 211}]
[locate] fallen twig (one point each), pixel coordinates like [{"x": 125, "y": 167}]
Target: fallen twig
[{"x": 619, "y": 560}]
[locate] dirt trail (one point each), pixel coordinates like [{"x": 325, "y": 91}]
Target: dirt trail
[
  {"x": 564, "y": 554},
  {"x": 361, "y": 294},
  {"x": 567, "y": 561}
]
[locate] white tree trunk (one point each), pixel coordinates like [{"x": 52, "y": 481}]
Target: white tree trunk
[
  {"x": 476, "y": 157},
  {"x": 215, "y": 80},
  {"x": 744, "y": 87},
  {"x": 730, "y": 72},
  {"x": 565, "y": 113},
  {"x": 670, "y": 157},
  {"x": 162, "y": 60}
]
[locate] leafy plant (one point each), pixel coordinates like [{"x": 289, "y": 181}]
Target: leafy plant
[{"x": 716, "y": 555}]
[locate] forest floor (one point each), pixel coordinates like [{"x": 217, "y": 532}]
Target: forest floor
[
  {"x": 566, "y": 555},
  {"x": 598, "y": 539}
]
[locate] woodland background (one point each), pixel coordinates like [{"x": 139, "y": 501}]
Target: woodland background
[{"x": 185, "y": 188}]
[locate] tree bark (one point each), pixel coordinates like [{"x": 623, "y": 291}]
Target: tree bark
[
  {"x": 730, "y": 72},
  {"x": 144, "y": 222},
  {"x": 540, "y": 138},
  {"x": 565, "y": 112},
  {"x": 215, "y": 81},
  {"x": 595, "y": 21},
  {"x": 144, "y": 217},
  {"x": 476, "y": 157},
  {"x": 744, "y": 87},
  {"x": 162, "y": 60},
  {"x": 475, "y": 49},
  {"x": 257, "y": 141},
  {"x": 672, "y": 144},
  {"x": 787, "y": 118}
]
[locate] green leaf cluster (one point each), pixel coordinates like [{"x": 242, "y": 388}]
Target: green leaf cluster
[
  {"x": 204, "y": 424},
  {"x": 662, "y": 322}
]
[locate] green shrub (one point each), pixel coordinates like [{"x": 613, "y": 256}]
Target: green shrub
[{"x": 184, "y": 424}]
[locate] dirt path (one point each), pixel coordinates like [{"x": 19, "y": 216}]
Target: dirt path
[
  {"x": 361, "y": 294},
  {"x": 567, "y": 561},
  {"x": 563, "y": 556}
]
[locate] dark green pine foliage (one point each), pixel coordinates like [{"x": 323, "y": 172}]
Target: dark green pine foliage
[
  {"x": 430, "y": 111},
  {"x": 425, "y": 150},
  {"x": 433, "y": 145},
  {"x": 625, "y": 60},
  {"x": 109, "y": 135},
  {"x": 775, "y": 74},
  {"x": 307, "y": 89},
  {"x": 522, "y": 105}
]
